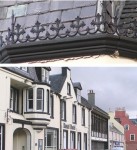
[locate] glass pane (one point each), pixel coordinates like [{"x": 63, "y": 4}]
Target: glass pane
[
  {"x": 39, "y": 104},
  {"x": 30, "y": 93},
  {"x": 39, "y": 93},
  {"x": 30, "y": 104},
  {"x": 0, "y": 142},
  {"x": 49, "y": 139}
]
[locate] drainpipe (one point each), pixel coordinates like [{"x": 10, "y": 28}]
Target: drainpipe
[
  {"x": 60, "y": 127},
  {"x": 89, "y": 130}
]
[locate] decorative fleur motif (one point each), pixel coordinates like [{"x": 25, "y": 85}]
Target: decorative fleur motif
[
  {"x": 56, "y": 28},
  {"x": 37, "y": 29},
  {"x": 77, "y": 25}
]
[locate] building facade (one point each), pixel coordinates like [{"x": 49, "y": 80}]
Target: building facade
[
  {"x": 130, "y": 129},
  {"x": 116, "y": 133},
  {"x": 39, "y": 111}
]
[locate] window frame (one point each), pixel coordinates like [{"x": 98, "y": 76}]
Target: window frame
[
  {"x": 45, "y": 136},
  {"x": 131, "y": 137},
  {"x": 2, "y": 135},
  {"x": 79, "y": 95},
  {"x": 63, "y": 110},
  {"x": 44, "y": 75},
  {"x": 42, "y": 100},
  {"x": 126, "y": 127},
  {"x": 79, "y": 135},
  {"x": 48, "y": 101},
  {"x": 68, "y": 89},
  {"x": 51, "y": 106},
  {"x": 74, "y": 114},
  {"x": 14, "y": 99},
  {"x": 72, "y": 137},
  {"x": 83, "y": 117},
  {"x": 85, "y": 142},
  {"x": 27, "y": 103},
  {"x": 66, "y": 139}
]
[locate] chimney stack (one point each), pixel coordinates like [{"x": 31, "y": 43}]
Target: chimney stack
[
  {"x": 91, "y": 97},
  {"x": 66, "y": 71}
]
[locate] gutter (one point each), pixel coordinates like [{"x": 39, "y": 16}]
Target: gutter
[{"x": 97, "y": 44}]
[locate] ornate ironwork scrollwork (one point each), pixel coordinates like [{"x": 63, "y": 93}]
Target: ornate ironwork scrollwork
[{"x": 58, "y": 29}]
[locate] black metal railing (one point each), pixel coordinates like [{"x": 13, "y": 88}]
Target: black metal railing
[{"x": 16, "y": 34}]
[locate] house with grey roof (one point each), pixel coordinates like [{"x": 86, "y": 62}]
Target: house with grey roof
[
  {"x": 66, "y": 29},
  {"x": 39, "y": 111}
]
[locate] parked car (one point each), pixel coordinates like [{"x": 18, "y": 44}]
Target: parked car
[{"x": 117, "y": 148}]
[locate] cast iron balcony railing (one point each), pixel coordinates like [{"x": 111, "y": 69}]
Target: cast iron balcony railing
[{"x": 16, "y": 34}]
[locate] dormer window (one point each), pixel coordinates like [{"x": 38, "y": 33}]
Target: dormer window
[
  {"x": 45, "y": 75},
  {"x": 78, "y": 94}
]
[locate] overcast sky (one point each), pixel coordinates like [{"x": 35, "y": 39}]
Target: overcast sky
[{"x": 113, "y": 86}]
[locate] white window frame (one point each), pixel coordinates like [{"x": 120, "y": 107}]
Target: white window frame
[
  {"x": 126, "y": 125},
  {"x": 134, "y": 137},
  {"x": 13, "y": 99},
  {"x": 79, "y": 141},
  {"x": 74, "y": 114},
  {"x": 72, "y": 140},
  {"x": 68, "y": 89},
  {"x": 28, "y": 109},
  {"x": 1, "y": 135},
  {"x": 42, "y": 99},
  {"x": 54, "y": 133},
  {"x": 63, "y": 110},
  {"x": 65, "y": 139},
  {"x": 79, "y": 95},
  {"x": 83, "y": 116}
]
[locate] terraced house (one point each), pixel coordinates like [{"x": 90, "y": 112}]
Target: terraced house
[
  {"x": 39, "y": 111},
  {"x": 54, "y": 31}
]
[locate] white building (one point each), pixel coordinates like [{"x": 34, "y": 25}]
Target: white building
[
  {"x": 42, "y": 112},
  {"x": 116, "y": 133}
]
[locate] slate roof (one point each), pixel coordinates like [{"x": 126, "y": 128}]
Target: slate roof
[
  {"x": 57, "y": 82},
  {"x": 30, "y": 74},
  {"x": 28, "y": 12},
  {"x": 114, "y": 129},
  {"x": 96, "y": 109},
  {"x": 134, "y": 121},
  {"x": 77, "y": 85},
  {"x": 129, "y": 12},
  {"x": 84, "y": 102}
]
